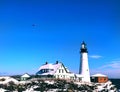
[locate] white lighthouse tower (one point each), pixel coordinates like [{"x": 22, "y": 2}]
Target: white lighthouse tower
[{"x": 84, "y": 67}]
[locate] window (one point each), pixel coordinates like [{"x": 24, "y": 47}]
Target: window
[
  {"x": 42, "y": 70},
  {"x": 62, "y": 71},
  {"x": 45, "y": 70},
  {"x": 105, "y": 79},
  {"x": 52, "y": 69},
  {"x": 59, "y": 70},
  {"x": 100, "y": 78}
]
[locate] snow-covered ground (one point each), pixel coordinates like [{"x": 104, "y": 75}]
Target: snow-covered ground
[{"x": 30, "y": 85}]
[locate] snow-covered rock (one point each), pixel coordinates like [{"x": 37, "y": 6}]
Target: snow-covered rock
[{"x": 6, "y": 79}]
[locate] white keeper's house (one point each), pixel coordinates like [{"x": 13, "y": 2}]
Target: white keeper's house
[{"x": 58, "y": 70}]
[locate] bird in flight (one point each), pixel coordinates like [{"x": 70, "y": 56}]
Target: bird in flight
[{"x": 33, "y": 25}]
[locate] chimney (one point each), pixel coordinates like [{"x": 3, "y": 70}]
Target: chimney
[
  {"x": 56, "y": 62},
  {"x": 46, "y": 63}
]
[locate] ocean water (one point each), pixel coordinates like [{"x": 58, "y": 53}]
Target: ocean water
[{"x": 116, "y": 82}]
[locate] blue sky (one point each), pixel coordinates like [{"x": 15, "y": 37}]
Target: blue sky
[{"x": 59, "y": 28}]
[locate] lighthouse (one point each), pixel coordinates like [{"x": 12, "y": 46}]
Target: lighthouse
[{"x": 84, "y": 67}]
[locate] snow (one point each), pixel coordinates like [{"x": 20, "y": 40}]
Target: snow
[
  {"x": 24, "y": 82},
  {"x": 26, "y": 75},
  {"x": 8, "y": 79},
  {"x": 50, "y": 82},
  {"x": 67, "y": 69},
  {"x": 54, "y": 68},
  {"x": 79, "y": 75},
  {"x": 2, "y": 90},
  {"x": 99, "y": 75},
  {"x": 46, "y": 66}
]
